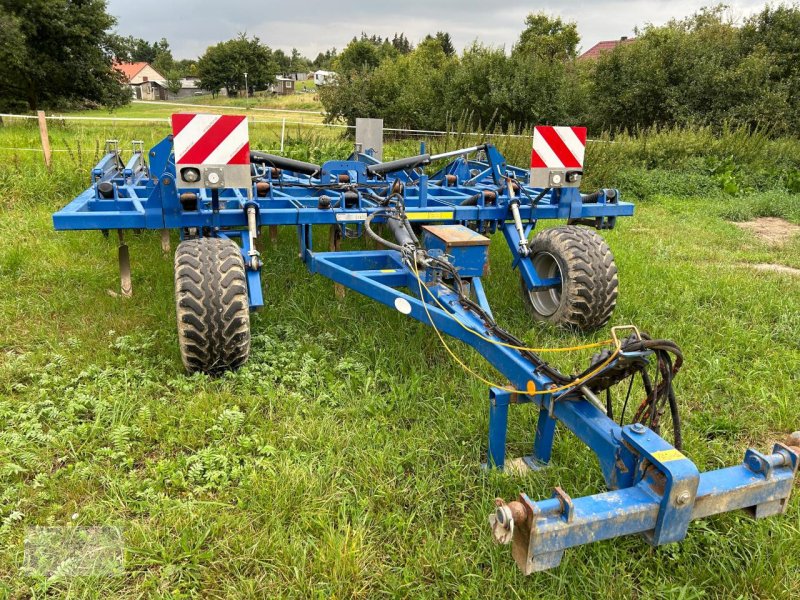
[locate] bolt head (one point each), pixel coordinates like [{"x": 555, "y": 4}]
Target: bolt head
[
  {"x": 683, "y": 498},
  {"x": 638, "y": 428}
]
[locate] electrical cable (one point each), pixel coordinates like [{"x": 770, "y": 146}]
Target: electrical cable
[{"x": 570, "y": 386}]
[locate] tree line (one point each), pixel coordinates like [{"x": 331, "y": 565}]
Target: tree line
[
  {"x": 705, "y": 69},
  {"x": 61, "y": 54}
]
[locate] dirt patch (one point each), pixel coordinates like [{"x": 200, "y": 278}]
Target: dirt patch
[
  {"x": 772, "y": 268},
  {"x": 771, "y": 229}
]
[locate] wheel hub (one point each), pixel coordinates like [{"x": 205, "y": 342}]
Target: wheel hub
[{"x": 546, "y": 302}]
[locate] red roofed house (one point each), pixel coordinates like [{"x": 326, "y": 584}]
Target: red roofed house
[
  {"x": 601, "y": 47},
  {"x": 146, "y": 83}
]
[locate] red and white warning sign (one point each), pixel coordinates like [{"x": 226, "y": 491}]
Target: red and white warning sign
[
  {"x": 211, "y": 150},
  {"x": 557, "y": 157}
]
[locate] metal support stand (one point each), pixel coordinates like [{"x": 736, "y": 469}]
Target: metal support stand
[
  {"x": 498, "y": 426},
  {"x": 543, "y": 444},
  {"x": 499, "y": 401}
]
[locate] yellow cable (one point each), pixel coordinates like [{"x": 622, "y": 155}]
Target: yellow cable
[
  {"x": 570, "y": 385},
  {"x": 607, "y": 342}
]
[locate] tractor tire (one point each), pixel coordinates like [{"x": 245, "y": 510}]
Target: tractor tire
[
  {"x": 212, "y": 305},
  {"x": 589, "y": 285}
]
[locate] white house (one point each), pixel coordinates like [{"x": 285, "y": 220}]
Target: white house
[
  {"x": 323, "y": 77},
  {"x": 146, "y": 83}
]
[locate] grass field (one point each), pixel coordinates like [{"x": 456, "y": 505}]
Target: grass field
[
  {"x": 304, "y": 108},
  {"x": 343, "y": 459}
]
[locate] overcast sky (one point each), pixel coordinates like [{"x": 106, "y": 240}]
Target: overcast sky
[{"x": 314, "y": 26}]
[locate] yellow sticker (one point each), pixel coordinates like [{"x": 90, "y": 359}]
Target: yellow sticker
[
  {"x": 668, "y": 455},
  {"x": 388, "y": 271},
  {"x": 429, "y": 216}
]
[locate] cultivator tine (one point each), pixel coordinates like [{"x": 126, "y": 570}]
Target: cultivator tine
[
  {"x": 334, "y": 246},
  {"x": 165, "y": 245},
  {"x": 126, "y": 285},
  {"x": 273, "y": 234}
]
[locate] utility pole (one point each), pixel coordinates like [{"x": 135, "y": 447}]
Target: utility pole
[{"x": 246, "y": 92}]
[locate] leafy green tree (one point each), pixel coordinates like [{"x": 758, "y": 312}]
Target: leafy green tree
[
  {"x": 163, "y": 62},
  {"x": 703, "y": 69},
  {"x": 691, "y": 71},
  {"x": 359, "y": 56},
  {"x": 13, "y": 56},
  {"x": 477, "y": 84},
  {"x": 775, "y": 33},
  {"x": 224, "y": 65},
  {"x": 133, "y": 49},
  {"x": 56, "y": 52},
  {"x": 548, "y": 38},
  {"x": 187, "y": 67},
  {"x": 174, "y": 84},
  {"x": 538, "y": 83},
  {"x": 283, "y": 62},
  {"x": 325, "y": 59},
  {"x": 298, "y": 63},
  {"x": 446, "y": 42},
  {"x": 405, "y": 90}
]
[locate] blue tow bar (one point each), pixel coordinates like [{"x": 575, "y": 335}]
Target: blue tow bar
[{"x": 655, "y": 489}]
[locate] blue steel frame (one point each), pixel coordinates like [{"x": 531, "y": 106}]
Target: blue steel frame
[
  {"x": 655, "y": 490},
  {"x": 146, "y": 198}
]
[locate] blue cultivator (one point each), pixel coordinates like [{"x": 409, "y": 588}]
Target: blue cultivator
[{"x": 433, "y": 229}]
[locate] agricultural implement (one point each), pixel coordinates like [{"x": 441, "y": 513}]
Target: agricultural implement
[{"x": 431, "y": 231}]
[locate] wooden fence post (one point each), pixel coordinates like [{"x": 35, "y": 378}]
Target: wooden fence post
[{"x": 45, "y": 139}]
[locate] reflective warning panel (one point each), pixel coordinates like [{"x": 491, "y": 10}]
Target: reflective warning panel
[
  {"x": 211, "y": 151},
  {"x": 557, "y": 156}
]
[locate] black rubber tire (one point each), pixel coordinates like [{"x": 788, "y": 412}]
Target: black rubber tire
[
  {"x": 589, "y": 283},
  {"x": 212, "y": 307}
]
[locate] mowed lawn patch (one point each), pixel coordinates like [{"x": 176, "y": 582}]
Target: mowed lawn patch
[{"x": 343, "y": 459}]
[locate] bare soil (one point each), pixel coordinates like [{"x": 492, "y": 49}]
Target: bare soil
[
  {"x": 773, "y": 268},
  {"x": 771, "y": 229}
]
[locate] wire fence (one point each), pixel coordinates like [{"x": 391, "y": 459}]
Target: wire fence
[
  {"x": 75, "y": 134},
  {"x": 251, "y": 119}
]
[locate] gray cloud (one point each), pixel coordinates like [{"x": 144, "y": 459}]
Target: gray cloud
[{"x": 191, "y": 26}]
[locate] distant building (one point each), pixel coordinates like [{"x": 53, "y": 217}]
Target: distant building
[
  {"x": 322, "y": 77},
  {"x": 297, "y": 76},
  {"x": 190, "y": 86},
  {"x": 602, "y": 47},
  {"x": 146, "y": 83},
  {"x": 283, "y": 86}
]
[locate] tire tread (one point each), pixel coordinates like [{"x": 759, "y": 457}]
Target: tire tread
[
  {"x": 589, "y": 273},
  {"x": 212, "y": 306}
]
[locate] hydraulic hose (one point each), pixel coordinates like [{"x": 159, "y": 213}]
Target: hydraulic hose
[
  {"x": 595, "y": 196},
  {"x": 281, "y": 162},
  {"x": 400, "y": 232},
  {"x": 375, "y": 236},
  {"x": 400, "y": 164}
]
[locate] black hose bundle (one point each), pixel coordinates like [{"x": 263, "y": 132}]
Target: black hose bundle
[{"x": 658, "y": 395}]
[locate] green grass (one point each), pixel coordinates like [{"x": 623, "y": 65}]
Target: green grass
[
  {"x": 343, "y": 459},
  {"x": 261, "y": 107}
]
